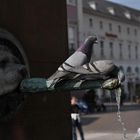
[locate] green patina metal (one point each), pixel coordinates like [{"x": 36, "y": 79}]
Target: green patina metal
[{"x": 34, "y": 85}]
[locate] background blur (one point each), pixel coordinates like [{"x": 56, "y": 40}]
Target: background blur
[
  {"x": 117, "y": 28},
  {"x": 116, "y": 23}
]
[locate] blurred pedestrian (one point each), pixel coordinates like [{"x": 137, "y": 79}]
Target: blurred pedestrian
[{"x": 76, "y": 121}]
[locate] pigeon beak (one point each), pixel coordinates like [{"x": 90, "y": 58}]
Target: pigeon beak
[{"x": 96, "y": 42}]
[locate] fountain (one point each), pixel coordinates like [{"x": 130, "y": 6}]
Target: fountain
[
  {"x": 118, "y": 98},
  {"x": 69, "y": 76},
  {"x": 34, "y": 85}
]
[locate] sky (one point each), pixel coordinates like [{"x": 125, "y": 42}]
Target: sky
[{"x": 130, "y": 3}]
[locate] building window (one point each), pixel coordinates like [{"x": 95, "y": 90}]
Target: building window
[
  {"x": 111, "y": 10},
  {"x": 102, "y": 48},
  {"x": 92, "y": 4},
  {"x": 71, "y": 33},
  {"x": 137, "y": 70},
  {"x": 128, "y": 30},
  {"x": 121, "y": 68},
  {"x": 120, "y": 50},
  {"x": 137, "y": 79},
  {"x": 71, "y": 38},
  {"x": 136, "y": 52},
  {"x": 111, "y": 49},
  {"x": 71, "y": 48},
  {"x": 135, "y": 32},
  {"x": 129, "y": 70},
  {"x": 127, "y": 15},
  {"x": 71, "y": 2},
  {"x": 129, "y": 51},
  {"x": 119, "y": 28},
  {"x": 110, "y": 26},
  {"x": 90, "y": 22},
  {"x": 101, "y": 25},
  {"x": 137, "y": 73}
]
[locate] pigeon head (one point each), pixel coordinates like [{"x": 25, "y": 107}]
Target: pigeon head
[{"x": 86, "y": 47}]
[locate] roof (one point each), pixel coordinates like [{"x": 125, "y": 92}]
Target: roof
[{"x": 119, "y": 11}]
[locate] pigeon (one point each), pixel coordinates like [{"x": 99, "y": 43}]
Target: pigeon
[
  {"x": 80, "y": 57},
  {"x": 101, "y": 69},
  {"x": 94, "y": 70}
]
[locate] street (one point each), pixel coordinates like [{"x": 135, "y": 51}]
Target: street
[{"x": 104, "y": 126}]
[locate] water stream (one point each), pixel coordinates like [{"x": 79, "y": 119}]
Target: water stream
[{"x": 119, "y": 117}]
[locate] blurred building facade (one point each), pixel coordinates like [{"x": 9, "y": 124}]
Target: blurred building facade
[
  {"x": 72, "y": 15},
  {"x": 117, "y": 28}
]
